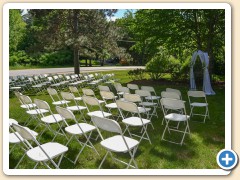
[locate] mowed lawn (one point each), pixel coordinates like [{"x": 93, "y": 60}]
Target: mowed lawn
[{"x": 198, "y": 151}]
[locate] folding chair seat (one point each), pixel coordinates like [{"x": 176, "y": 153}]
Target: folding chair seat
[
  {"x": 133, "y": 121},
  {"x": 149, "y": 103},
  {"x": 117, "y": 143},
  {"x": 51, "y": 119},
  {"x": 37, "y": 87},
  {"x": 74, "y": 90},
  {"x": 55, "y": 97},
  {"x": 174, "y": 90},
  {"x": 90, "y": 92},
  {"x": 198, "y": 99},
  {"x": 34, "y": 112},
  {"x": 42, "y": 153},
  {"x": 154, "y": 96},
  {"x": 174, "y": 104},
  {"x": 94, "y": 102},
  {"x": 76, "y": 130}
]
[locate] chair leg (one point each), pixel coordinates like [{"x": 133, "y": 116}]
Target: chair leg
[{"x": 103, "y": 160}]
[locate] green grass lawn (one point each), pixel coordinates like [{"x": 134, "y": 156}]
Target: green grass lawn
[{"x": 198, "y": 151}]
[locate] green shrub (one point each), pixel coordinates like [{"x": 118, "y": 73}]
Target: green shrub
[
  {"x": 136, "y": 74},
  {"x": 56, "y": 58},
  {"x": 20, "y": 58},
  {"x": 158, "y": 65}
]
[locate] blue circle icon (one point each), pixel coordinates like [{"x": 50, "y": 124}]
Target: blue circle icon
[{"x": 227, "y": 159}]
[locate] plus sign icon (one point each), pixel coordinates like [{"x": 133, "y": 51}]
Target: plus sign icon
[{"x": 227, "y": 159}]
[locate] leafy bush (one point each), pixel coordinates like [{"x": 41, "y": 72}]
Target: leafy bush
[
  {"x": 136, "y": 74},
  {"x": 178, "y": 70},
  {"x": 158, "y": 65},
  {"x": 56, "y": 58},
  {"x": 20, "y": 58}
]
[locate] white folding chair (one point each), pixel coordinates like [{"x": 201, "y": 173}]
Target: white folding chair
[
  {"x": 198, "y": 99},
  {"x": 74, "y": 90},
  {"x": 149, "y": 103},
  {"x": 42, "y": 153},
  {"x": 16, "y": 139},
  {"x": 122, "y": 90},
  {"x": 76, "y": 130},
  {"x": 117, "y": 143},
  {"x": 133, "y": 121},
  {"x": 32, "y": 111},
  {"x": 18, "y": 94},
  {"x": 174, "y": 90},
  {"x": 94, "y": 102},
  {"x": 154, "y": 96},
  {"x": 135, "y": 98},
  {"x": 109, "y": 96},
  {"x": 55, "y": 97},
  {"x": 171, "y": 95},
  {"x": 174, "y": 104},
  {"x": 51, "y": 119},
  {"x": 76, "y": 107},
  {"x": 90, "y": 92}
]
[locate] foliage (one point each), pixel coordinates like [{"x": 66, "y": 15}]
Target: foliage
[
  {"x": 179, "y": 70},
  {"x": 17, "y": 29},
  {"x": 158, "y": 65},
  {"x": 178, "y": 30},
  {"x": 21, "y": 58},
  {"x": 62, "y": 57},
  {"x": 137, "y": 74}
]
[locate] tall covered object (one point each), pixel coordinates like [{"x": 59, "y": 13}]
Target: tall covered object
[{"x": 207, "y": 88}]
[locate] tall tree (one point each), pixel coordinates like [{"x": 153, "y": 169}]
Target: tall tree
[
  {"x": 17, "y": 29},
  {"x": 83, "y": 30},
  {"x": 178, "y": 30}
]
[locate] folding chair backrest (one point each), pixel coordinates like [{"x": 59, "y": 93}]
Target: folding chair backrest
[
  {"x": 67, "y": 96},
  {"x": 24, "y": 132},
  {"x": 107, "y": 124},
  {"x": 107, "y": 95},
  {"x": 116, "y": 85},
  {"x": 171, "y": 95},
  {"x": 52, "y": 91},
  {"x": 42, "y": 104},
  {"x": 123, "y": 89},
  {"x": 174, "y": 104},
  {"x": 132, "y": 98},
  {"x": 92, "y": 101},
  {"x": 143, "y": 93},
  {"x": 148, "y": 88},
  {"x": 127, "y": 106},
  {"x": 25, "y": 99},
  {"x": 133, "y": 86},
  {"x": 103, "y": 88},
  {"x": 65, "y": 113},
  {"x": 88, "y": 92},
  {"x": 174, "y": 90},
  {"x": 196, "y": 94}
]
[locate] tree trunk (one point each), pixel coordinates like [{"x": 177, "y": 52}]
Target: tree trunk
[
  {"x": 76, "y": 61},
  {"x": 197, "y": 31},
  {"x": 75, "y": 50},
  {"x": 90, "y": 62}
]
